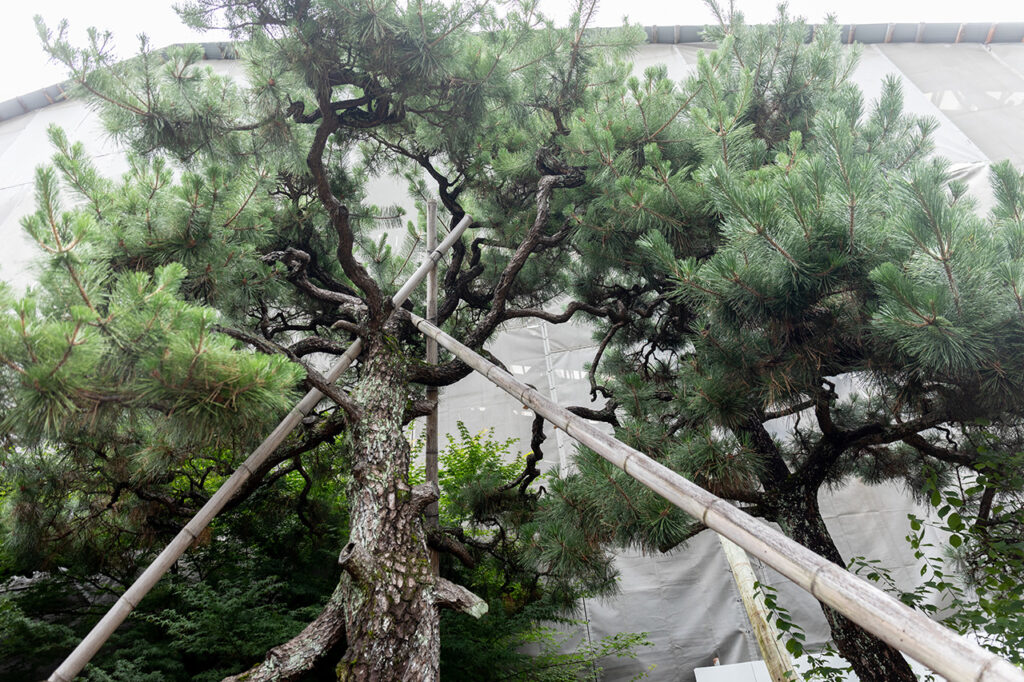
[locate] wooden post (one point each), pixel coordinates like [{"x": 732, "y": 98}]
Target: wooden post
[
  {"x": 956, "y": 658},
  {"x": 775, "y": 656},
  {"x": 431, "y": 512},
  {"x": 127, "y": 602}
]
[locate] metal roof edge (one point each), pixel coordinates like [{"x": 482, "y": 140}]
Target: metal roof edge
[
  {"x": 58, "y": 92},
  {"x": 921, "y": 32},
  {"x": 939, "y": 32}
]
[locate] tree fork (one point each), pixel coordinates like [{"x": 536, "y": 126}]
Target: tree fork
[{"x": 798, "y": 513}]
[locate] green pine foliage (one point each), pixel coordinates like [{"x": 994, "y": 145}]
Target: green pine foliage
[
  {"x": 970, "y": 550},
  {"x": 790, "y": 290},
  {"x": 115, "y": 377}
]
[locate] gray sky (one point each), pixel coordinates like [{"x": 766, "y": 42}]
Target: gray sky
[{"x": 26, "y": 68}]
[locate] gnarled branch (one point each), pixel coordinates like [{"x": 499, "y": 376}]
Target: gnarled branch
[
  {"x": 313, "y": 377},
  {"x": 297, "y": 261},
  {"x": 606, "y": 414},
  {"x": 378, "y": 306},
  {"x": 417, "y": 409},
  {"x": 441, "y": 541},
  {"x": 421, "y": 496}
]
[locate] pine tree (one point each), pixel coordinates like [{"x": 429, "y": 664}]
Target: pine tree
[
  {"x": 757, "y": 238},
  {"x": 181, "y": 307},
  {"x": 745, "y": 241}
]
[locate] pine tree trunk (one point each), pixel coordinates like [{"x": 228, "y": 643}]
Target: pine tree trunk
[
  {"x": 872, "y": 659},
  {"x": 391, "y": 621}
]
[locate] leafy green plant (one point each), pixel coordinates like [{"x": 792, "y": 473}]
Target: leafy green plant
[
  {"x": 26, "y": 643},
  {"x": 222, "y": 622},
  {"x": 971, "y": 552},
  {"x": 523, "y": 635},
  {"x": 821, "y": 663}
]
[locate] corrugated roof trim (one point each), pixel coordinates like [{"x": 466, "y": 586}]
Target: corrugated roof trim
[{"x": 978, "y": 32}]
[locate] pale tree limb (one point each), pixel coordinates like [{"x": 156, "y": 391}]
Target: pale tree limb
[
  {"x": 291, "y": 661},
  {"x": 449, "y": 595}
]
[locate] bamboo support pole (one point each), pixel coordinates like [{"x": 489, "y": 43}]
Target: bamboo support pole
[
  {"x": 432, "y": 513},
  {"x": 937, "y": 647},
  {"x": 127, "y": 602},
  {"x": 775, "y": 656}
]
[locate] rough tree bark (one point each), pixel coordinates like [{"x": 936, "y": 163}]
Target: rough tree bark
[
  {"x": 390, "y": 594},
  {"x": 391, "y": 623},
  {"x": 872, "y": 659}
]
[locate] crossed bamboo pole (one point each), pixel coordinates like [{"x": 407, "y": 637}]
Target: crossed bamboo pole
[
  {"x": 947, "y": 653},
  {"x": 127, "y": 602}
]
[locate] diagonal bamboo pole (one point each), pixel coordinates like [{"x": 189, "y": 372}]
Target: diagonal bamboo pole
[
  {"x": 939, "y": 648},
  {"x": 127, "y": 602}
]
